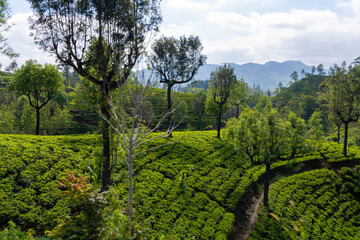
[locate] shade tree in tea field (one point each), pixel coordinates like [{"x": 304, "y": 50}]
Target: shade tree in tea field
[
  {"x": 222, "y": 82},
  {"x": 265, "y": 137},
  {"x": 101, "y": 40},
  {"x": 176, "y": 61},
  {"x": 239, "y": 95},
  {"x": 38, "y": 83},
  {"x": 342, "y": 95}
]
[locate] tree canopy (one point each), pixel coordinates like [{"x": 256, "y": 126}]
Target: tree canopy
[
  {"x": 39, "y": 83},
  {"x": 342, "y": 95},
  {"x": 100, "y": 40},
  {"x": 222, "y": 82},
  {"x": 176, "y": 61}
]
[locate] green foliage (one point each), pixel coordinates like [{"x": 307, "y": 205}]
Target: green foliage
[
  {"x": 12, "y": 232},
  {"x": 315, "y": 127},
  {"x": 86, "y": 207},
  {"x": 263, "y": 137},
  {"x": 181, "y": 191},
  {"x": 301, "y": 97},
  {"x": 313, "y": 205},
  {"x": 30, "y": 168}
]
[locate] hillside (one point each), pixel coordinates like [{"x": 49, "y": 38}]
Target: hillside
[
  {"x": 197, "y": 187},
  {"x": 319, "y": 204},
  {"x": 301, "y": 97},
  {"x": 5, "y": 79}
]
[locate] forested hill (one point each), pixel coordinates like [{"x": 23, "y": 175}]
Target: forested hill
[
  {"x": 267, "y": 75},
  {"x": 301, "y": 96}
]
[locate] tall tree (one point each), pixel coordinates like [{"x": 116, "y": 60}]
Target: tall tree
[
  {"x": 38, "y": 83},
  {"x": 262, "y": 136},
  {"x": 240, "y": 94},
  {"x": 342, "y": 94},
  {"x": 313, "y": 69},
  {"x": 134, "y": 122},
  {"x": 222, "y": 82},
  {"x": 320, "y": 69},
  {"x": 100, "y": 40},
  {"x": 176, "y": 61},
  {"x": 303, "y": 73},
  {"x": 294, "y": 76}
]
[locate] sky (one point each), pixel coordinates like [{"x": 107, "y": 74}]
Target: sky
[{"x": 240, "y": 31}]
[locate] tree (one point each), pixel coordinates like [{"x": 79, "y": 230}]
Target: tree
[
  {"x": 303, "y": 73},
  {"x": 222, "y": 82},
  {"x": 198, "y": 104},
  {"x": 176, "y": 61},
  {"x": 294, "y": 76},
  {"x": 313, "y": 69},
  {"x": 101, "y": 40},
  {"x": 240, "y": 94},
  {"x": 342, "y": 95},
  {"x": 320, "y": 69},
  {"x": 297, "y": 133},
  {"x": 263, "y": 137},
  {"x": 38, "y": 83},
  {"x": 134, "y": 122},
  {"x": 315, "y": 127}
]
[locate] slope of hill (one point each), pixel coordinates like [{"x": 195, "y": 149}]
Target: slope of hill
[{"x": 301, "y": 97}]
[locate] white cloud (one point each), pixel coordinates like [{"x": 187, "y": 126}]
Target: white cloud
[
  {"x": 351, "y": 5},
  {"x": 19, "y": 39},
  {"x": 188, "y": 5},
  {"x": 314, "y": 36}
]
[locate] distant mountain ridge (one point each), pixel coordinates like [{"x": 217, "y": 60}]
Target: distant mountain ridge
[{"x": 267, "y": 75}]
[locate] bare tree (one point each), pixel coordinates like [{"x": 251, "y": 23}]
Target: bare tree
[{"x": 134, "y": 123}]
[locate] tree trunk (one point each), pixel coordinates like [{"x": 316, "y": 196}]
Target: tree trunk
[
  {"x": 338, "y": 134},
  {"x": 199, "y": 123},
  {"x": 105, "y": 131},
  {"x": 219, "y": 121},
  {"x": 346, "y": 138},
  {"x": 37, "y": 131},
  {"x": 267, "y": 183},
  {"x": 130, "y": 170},
  {"x": 169, "y": 103}
]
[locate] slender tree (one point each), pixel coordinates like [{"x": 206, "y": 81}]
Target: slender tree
[
  {"x": 240, "y": 94},
  {"x": 222, "y": 82},
  {"x": 320, "y": 69},
  {"x": 38, "y": 83},
  {"x": 134, "y": 122},
  {"x": 294, "y": 76},
  {"x": 342, "y": 95},
  {"x": 101, "y": 40},
  {"x": 176, "y": 61}
]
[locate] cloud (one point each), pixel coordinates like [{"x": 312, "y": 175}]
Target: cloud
[
  {"x": 315, "y": 36},
  {"x": 188, "y": 5},
  {"x": 351, "y": 5},
  {"x": 19, "y": 39}
]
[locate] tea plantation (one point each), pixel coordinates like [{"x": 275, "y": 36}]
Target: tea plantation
[{"x": 189, "y": 189}]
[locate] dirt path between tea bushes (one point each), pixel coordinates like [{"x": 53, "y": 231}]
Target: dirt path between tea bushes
[{"x": 253, "y": 217}]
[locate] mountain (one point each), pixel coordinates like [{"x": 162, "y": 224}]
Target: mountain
[{"x": 267, "y": 75}]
